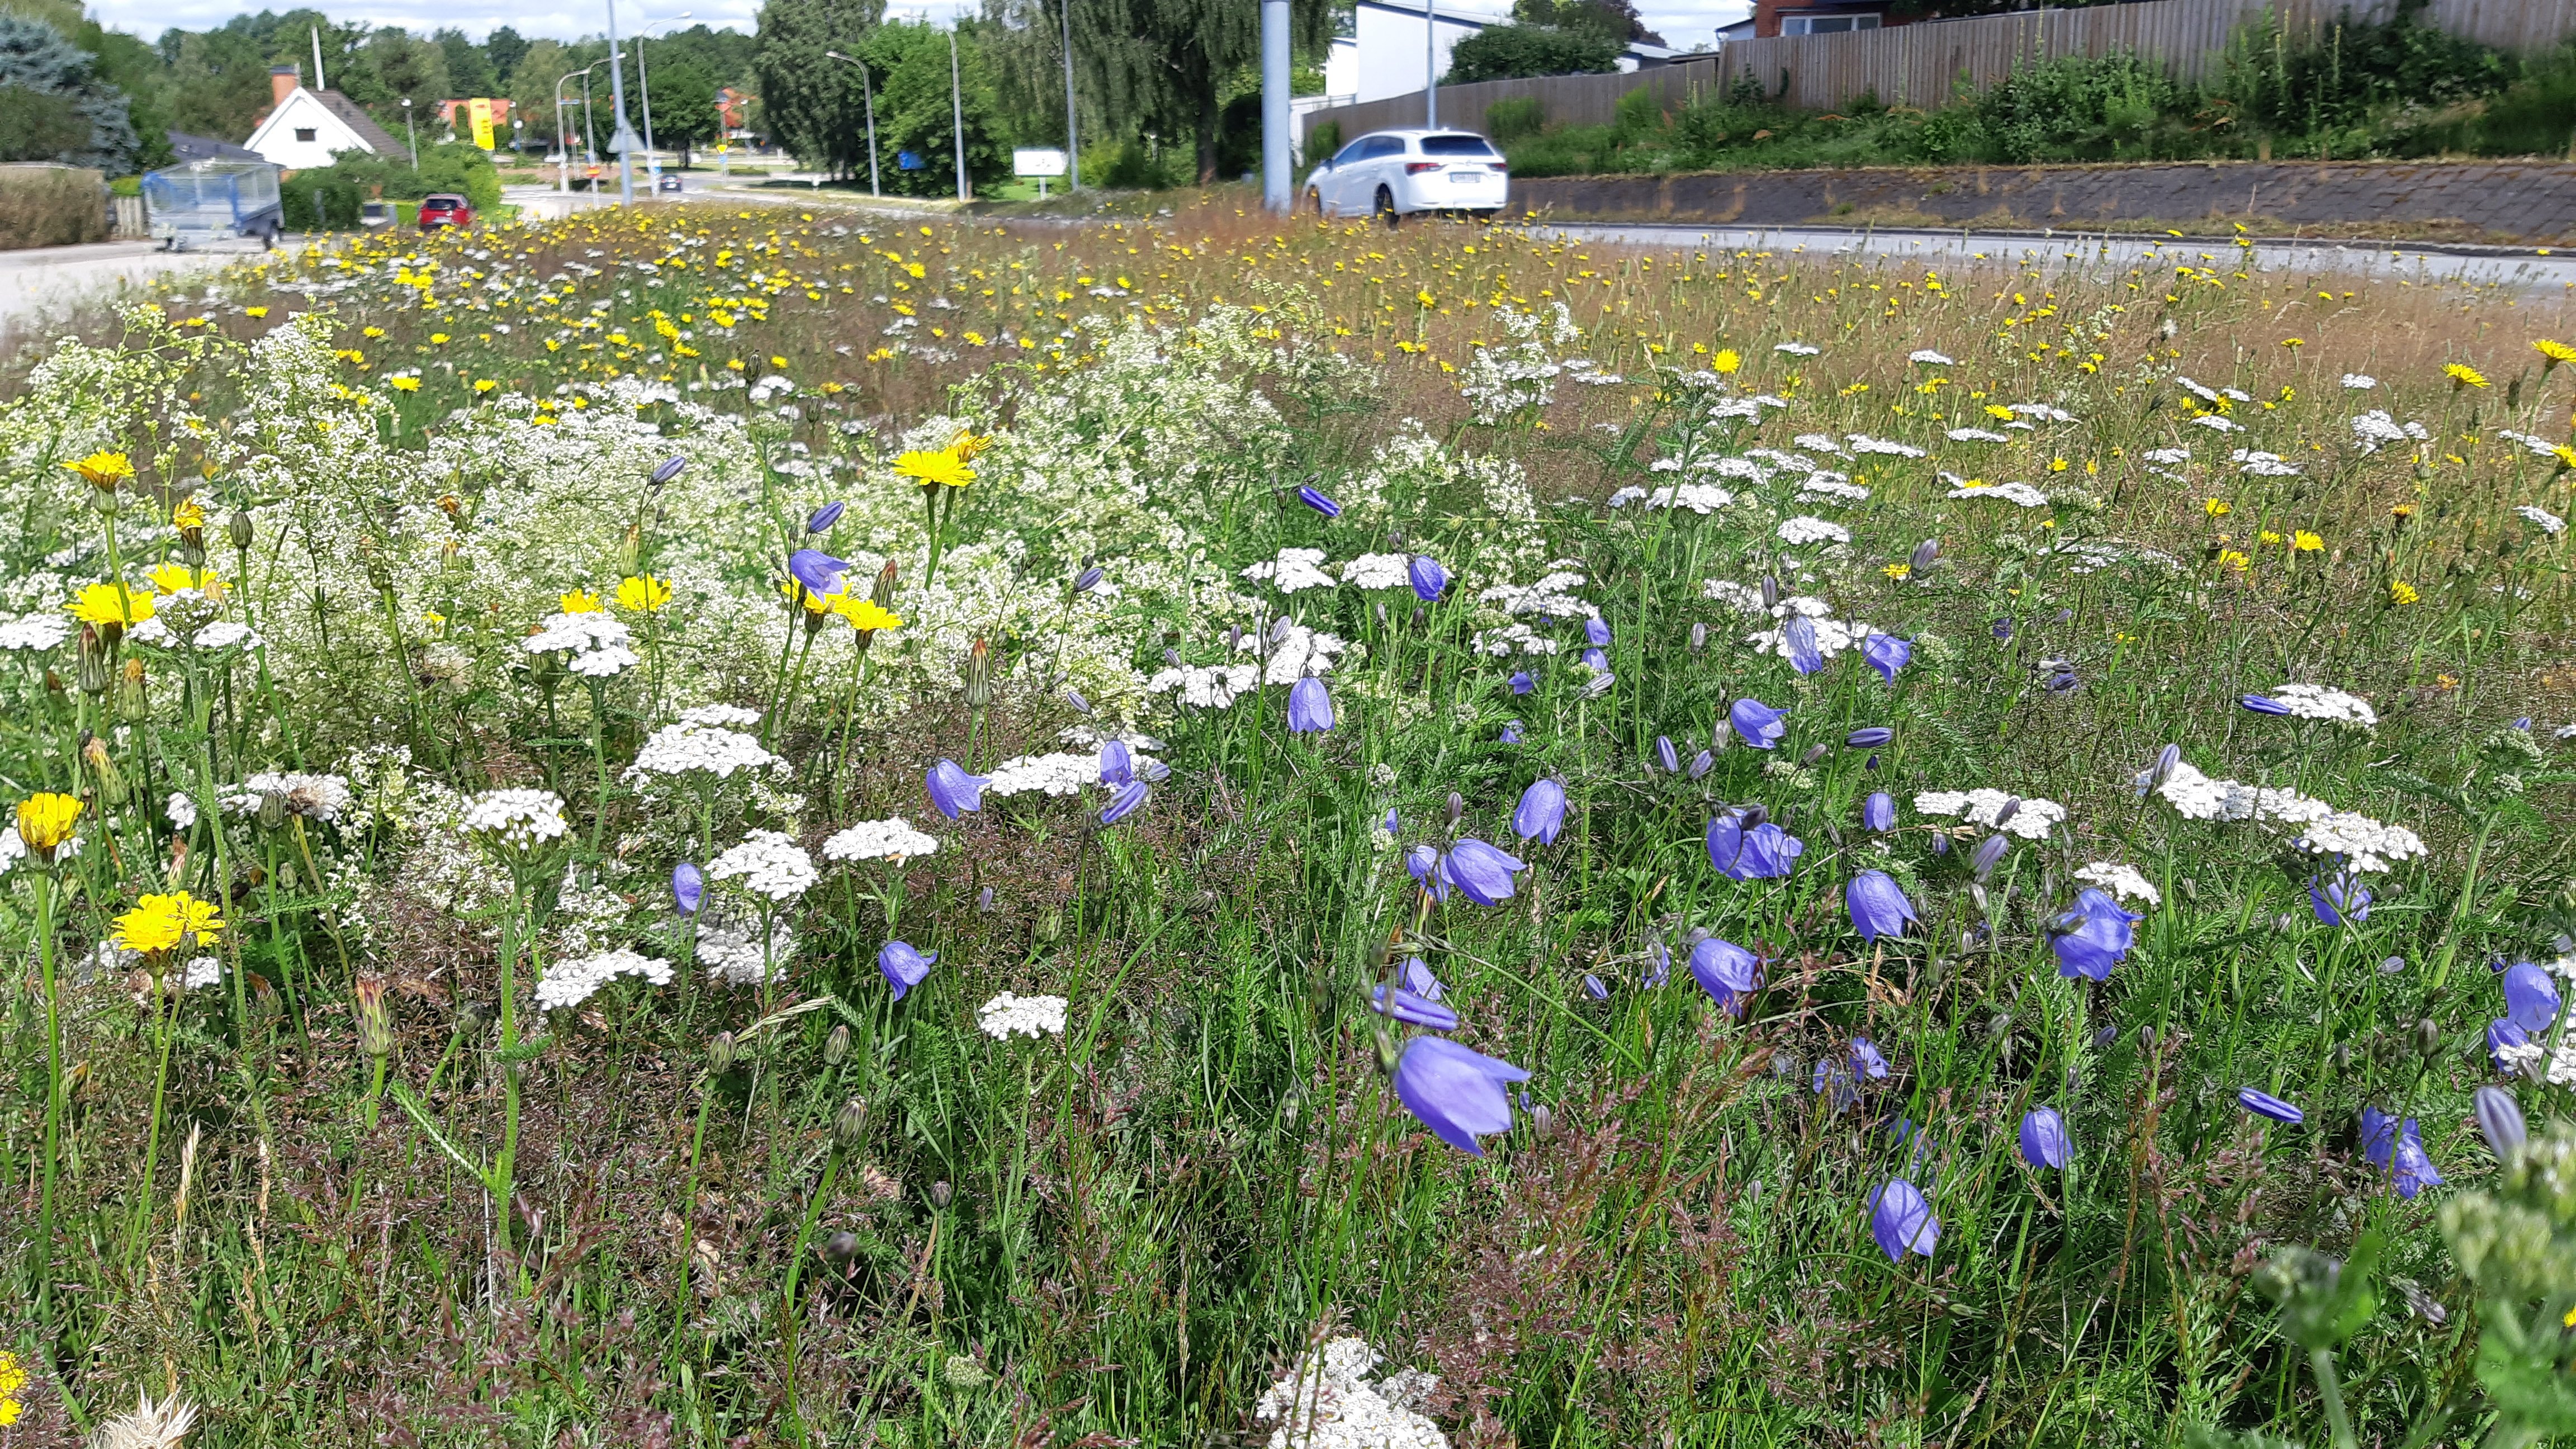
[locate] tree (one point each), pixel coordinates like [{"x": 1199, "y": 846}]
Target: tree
[
  {"x": 218, "y": 82},
  {"x": 812, "y": 102},
  {"x": 504, "y": 48},
  {"x": 684, "y": 104},
  {"x": 1164, "y": 64},
  {"x": 532, "y": 88},
  {"x": 393, "y": 66},
  {"x": 469, "y": 70},
  {"x": 1616, "y": 20},
  {"x": 1504, "y": 52},
  {"x": 48, "y": 71},
  {"x": 915, "y": 111}
]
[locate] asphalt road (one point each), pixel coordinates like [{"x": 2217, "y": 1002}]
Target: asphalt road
[
  {"x": 40, "y": 282},
  {"x": 2523, "y": 269}
]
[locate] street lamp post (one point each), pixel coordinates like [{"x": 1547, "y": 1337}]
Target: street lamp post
[
  {"x": 867, "y": 96},
  {"x": 622, "y": 139},
  {"x": 957, "y": 107},
  {"x": 563, "y": 138},
  {"x": 1072, "y": 138},
  {"x": 644, "y": 83},
  {"x": 412, "y": 134}
]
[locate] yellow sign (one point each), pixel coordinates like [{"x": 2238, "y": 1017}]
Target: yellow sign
[{"x": 479, "y": 110}]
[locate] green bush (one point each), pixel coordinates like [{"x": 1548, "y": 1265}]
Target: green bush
[
  {"x": 1515, "y": 117},
  {"x": 317, "y": 200},
  {"x": 1322, "y": 139},
  {"x": 1509, "y": 52},
  {"x": 2536, "y": 115},
  {"x": 45, "y": 205},
  {"x": 2080, "y": 108}
]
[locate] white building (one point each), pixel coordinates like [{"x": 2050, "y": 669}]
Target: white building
[
  {"x": 306, "y": 128},
  {"x": 1384, "y": 57}
]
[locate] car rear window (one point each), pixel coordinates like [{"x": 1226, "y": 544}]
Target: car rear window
[{"x": 1455, "y": 146}]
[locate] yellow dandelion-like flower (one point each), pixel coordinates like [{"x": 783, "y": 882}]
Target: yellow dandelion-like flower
[
  {"x": 2402, "y": 592},
  {"x": 163, "y": 923},
  {"x": 1425, "y": 298},
  {"x": 105, "y": 470},
  {"x": 403, "y": 384},
  {"x": 2553, "y": 353},
  {"x": 254, "y": 313},
  {"x": 2305, "y": 542},
  {"x": 187, "y": 514},
  {"x": 2232, "y": 559},
  {"x": 438, "y": 339},
  {"x": 371, "y": 332},
  {"x": 2463, "y": 375},
  {"x": 967, "y": 444},
  {"x": 1999, "y": 412},
  {"x": 2566, "y": 457},
  {"x": 2270, "y": 537},
  {"x": 1898, "y": 570},
  {"x": 13, "y": 1382},
  {"x": 799, "y": 594},
  {"x": 484, "y": 384},
  {"x": 1726, "y": 360},
  {"x": 932, "y": 469},
  {"x": 45, "y": 819},
  {"x": 111, "y": 604},
  {"x": 579, "y": 601},
  {"x": 643, "y": 593},
  {"x": 171, "y": 578},
  {"x": 864, "y": 615}
]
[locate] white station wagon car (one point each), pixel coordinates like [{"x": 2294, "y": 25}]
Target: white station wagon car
[{"x": 1391, "y": 174}]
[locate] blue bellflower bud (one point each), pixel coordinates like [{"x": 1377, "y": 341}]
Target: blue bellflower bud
[
  {"x": 1593, "y": 988},
  {"x": 1798, "y": 643},
  {"x": 1481, "y": 873},
  {"x": 903, "y": 967},
  {"x": 1310, "y": 707},
  {"x": 818, "y": 571},
  {"x": 1595, "y": 659},
  {"x": 2098, "y": 940},
  {"x": 1758, "y": 724},
  {"x": 1427, "y": 577},
  {"x": 1075, "y": 698},
  {"x": 2044, "y": 1142},
  {"x": 1511, "y": 734},
  {"x": 1902, "y": 1221},
  {"x": 1727, "y": 972},
  {"x": 2264, "y": 1104},
  {"x": 1878, "y": 905},
  {"x": 1521, "y": 682},
  {"x": 1459, "y": 1094},
  {"x": 2264, "y": 704},
  {"x": 1887, "y": 654},
  {"x": 822, "y": 519},
  {"x": 1878, "y": 812},
  {"x": 1701, "y": 764},
  {"x": 668, "y": 469},
  {"x": 1596, "y": 632},
  {"x": 1667, "y": 756},
  {"x": 1868, "y": 739},
  {"x": 1089, "y": 579},
  {"x": 2500, "y": 1118},
  {"x": 1989, "y": 853},
  {"x": 1541, "y": 813},
  {"x": 1319, "y": 502},
  {"x": 1412, "y": 1010},
  {"x": 954, "y": 790},
  {"x": 688, "y": 888}
]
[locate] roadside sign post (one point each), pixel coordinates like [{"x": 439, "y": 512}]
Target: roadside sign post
[{"x": 1039, "y": 163}]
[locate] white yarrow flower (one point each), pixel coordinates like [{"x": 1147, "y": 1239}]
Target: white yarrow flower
[
  {"x": 2542, "y": 519},
  {"x": 1378, "y": 571},
  {"x": 768, "y": 863},
  {"x": 1327, "y": 1402},
  {"x": 1006, "y": 1015},
  {"x": 1927, "y": 355},
  {"x": 570, "y": 983},
  {"x": 1806, "y": 529},
  {"x": 2315, "y": 701},
  {"x": 2031, "y": 819},
  {"x": 181, "y": 809},
  {"x": 36, "y": 631},
  {"x": 2122, "y": 881},
  {"x": 698, "y": 744},
  {"x": 2360, "y": 381},
  {"x": 520, "y": 819},
  {"x": 893, "y": 840}
]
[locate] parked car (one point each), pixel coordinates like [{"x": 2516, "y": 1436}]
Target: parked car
[
  {"x": 1392, "y": 174},
  {"x": 667, "y": 183},
  {"x": 445, "y": 210},
  {"x": 373, "y": 214}
]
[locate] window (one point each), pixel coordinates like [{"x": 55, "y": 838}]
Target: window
[
  {"x": 304, "y": 133},
  {"x": 1455, "y": 146},
  {"x": 1826, "y": 24},
  {"x": 1383, "y": 146},
  {"x": 1350, "y": 153}
]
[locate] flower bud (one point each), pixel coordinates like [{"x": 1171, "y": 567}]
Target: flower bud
[
  {"x": 238, "y": 529},
  {"x": 836, "y": 1047},
  {"x": 1457, "y": 808},
  {"x": 1698, "y": 638},
  {"x": 1388, "y": 1054},
  {"x": 375, "y": 1018},
  {"x": 941, "y": 1194},
  {"x": 720, "y": 1054},
  {"x": 272, "y": 809},
  {"x": 630, "y": 550},
  {"x": 666, "y": 470},
  {"x": 850, "y": 1124},
  {"x": 131, "y": 700},
  {"x": 93, "y": 661},
  {"x": 1813, "y": 754},
  {"x": 881, "y": 593},
  {"x": 111, "y": 780},
  {"x": 2428, "y": 1036},
  {"x": 1050, "y": 926},
  {"x": 2500, "y": 1118},
  {"x": 979, "y": 674},
  {"x": 1543, "y": 1120},
  {"x": 1089, "y": 579},
  {"x": 840, "y": 1248},
  {"x": 1770, "y": 592},
  {"x": 1924, "y": 556}
]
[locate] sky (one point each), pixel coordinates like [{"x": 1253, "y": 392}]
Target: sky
[{"x": 1683, "y": 23}]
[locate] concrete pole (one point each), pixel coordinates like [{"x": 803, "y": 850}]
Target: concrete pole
[
  {"x": 1072, "y": 138},
  {"x": 622, "y": 138},
  {"x": 1274, "y": 105},
  {"x": 957, "y": 105},
  {"x": 1430, "y": 66}
]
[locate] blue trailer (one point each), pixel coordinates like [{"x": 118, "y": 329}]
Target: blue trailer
[{"x": 204, "y": 200}]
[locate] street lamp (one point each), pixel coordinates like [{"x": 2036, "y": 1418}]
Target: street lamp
[
  {"x": 957, "y": 102},
  {"x": 623, "y": 138},
  {"x": 563, "y": 138},
  {"x": 643, "y": 82},
  {"x": 409, "y": 132},
  {"x": 867, "y": 95}
]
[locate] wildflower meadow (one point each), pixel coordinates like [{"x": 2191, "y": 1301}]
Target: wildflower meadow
[{"x": 757, "y": 827}]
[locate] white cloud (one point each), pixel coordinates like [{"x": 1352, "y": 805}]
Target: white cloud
[{"x": 1685, "y": 24}]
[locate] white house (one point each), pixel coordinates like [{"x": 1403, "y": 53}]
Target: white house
[
  {"x": 305, "y": 128},
  {"x": 1384, "y": 57}
]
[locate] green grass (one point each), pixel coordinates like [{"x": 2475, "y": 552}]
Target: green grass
[{"x": 904, "y": 1230}]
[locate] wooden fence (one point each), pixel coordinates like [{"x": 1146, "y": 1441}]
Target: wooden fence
[{"x": 1928, "y": 64}]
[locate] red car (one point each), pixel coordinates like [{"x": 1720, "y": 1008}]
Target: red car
[{"x": 438, "y": 211}]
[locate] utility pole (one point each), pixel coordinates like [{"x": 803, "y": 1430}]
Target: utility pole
[
  {"x": 867, "y": 97},
  {"x": 1274, "y": 104},
  {"x": 1430, "y": 66},
  {"x": 957, "y": 107},
  {"x": 1072, "y": 137},
  {"x": 622, "y": 139},
  {"x": 414, "y": 136}
]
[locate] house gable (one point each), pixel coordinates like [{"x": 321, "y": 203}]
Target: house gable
[{"x": 306, "y": 131}]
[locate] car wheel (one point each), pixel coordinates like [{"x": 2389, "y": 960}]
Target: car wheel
[
  {"x": 1316, "y": 198},
  {"x": 1386, "y": 208}
]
